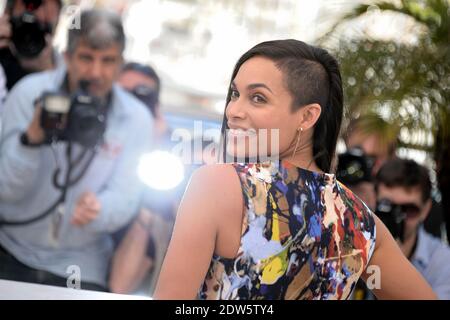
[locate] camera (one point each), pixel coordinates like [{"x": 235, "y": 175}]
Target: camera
[
  {"x": 79, "y": 118},
  {"x": 28, "y": 33},
  {"x": 354, "y": 167},
  {"x": 393, "y": 217}
]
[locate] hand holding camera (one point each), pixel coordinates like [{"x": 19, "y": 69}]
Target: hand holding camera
[
  {"x": 26, "y": 31},
  {"x": 29, "y": 34},
  {"x": 79, "y": 118},
  {"x": 35, "y": 135}
]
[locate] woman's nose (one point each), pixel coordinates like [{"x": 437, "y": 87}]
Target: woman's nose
[{"x": 235, "y": 110}]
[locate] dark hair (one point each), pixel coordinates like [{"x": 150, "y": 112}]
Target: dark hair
[
  {"x": 146, "y": 70},
  {"x": 405, "y": 173},
  {"x": 311, "y": 75},
  {"x": 99, "y": 29}
]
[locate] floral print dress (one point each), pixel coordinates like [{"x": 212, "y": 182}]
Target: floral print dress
[{"x": 304, "y": 236}]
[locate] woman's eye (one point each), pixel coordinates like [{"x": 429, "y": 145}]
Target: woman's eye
[
  {"x": 234, "y": 94},
  {"x": 258, "y": 99}
]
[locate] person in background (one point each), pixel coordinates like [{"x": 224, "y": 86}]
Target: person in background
[
  {"x": 101, "y": 193},
  {"x": 144, "y": 83},
  {"x": 407, "y": 187},
  {"x": 139, "y": 244},
  {"x": 376, "y": 147},
  {"x": 142, "y": 244},
  {"x": 379, "y": 148},
  {"x": 21, "y": 52}
]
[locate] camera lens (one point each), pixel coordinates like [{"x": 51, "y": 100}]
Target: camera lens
[
  {"x": 28, "y": 35},
  {"x": 353, "y": 167},
  {"x": 87, "y": 122}
]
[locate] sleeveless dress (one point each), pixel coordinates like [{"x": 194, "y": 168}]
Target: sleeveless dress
[{"x": 304, "y": 236}]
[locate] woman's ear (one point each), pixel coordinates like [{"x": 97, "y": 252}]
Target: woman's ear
[{"x": 309, "y": 115}]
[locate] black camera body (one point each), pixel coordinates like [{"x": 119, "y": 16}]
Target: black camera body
[
  {"x": 354, "y": 167},
  {"x": 393, "y": 218},
  {"x": 79, "y": 118},
  {"x": 28, "y": 33}
]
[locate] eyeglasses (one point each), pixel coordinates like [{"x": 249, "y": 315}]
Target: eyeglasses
[
  {"x": 147, "y": 95},
  {"x": 410, "y": 209}
]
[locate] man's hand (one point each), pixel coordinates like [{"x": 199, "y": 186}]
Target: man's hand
[
  {"x": 35, "y": 133},
  {"x": 5, "y": 31},
  {"x": 86, "y": 210}
]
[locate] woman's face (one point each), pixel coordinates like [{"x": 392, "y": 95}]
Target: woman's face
[{"x": 260, "y": 100}]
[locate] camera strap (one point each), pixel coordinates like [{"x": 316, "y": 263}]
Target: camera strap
[
  {"x": 68, "y": 182},
  {"x": 50, "y": 210},
  {"x": 71, "y": 166}
]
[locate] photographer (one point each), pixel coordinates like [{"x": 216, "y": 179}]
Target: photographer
[
  {"x": 88, "y": 155},
  {"x": 379, "y": 147},
  {"x": 144, "y": 83},
  {"x": 27, "y": 28},
  {"x": 404, "y": 201}
]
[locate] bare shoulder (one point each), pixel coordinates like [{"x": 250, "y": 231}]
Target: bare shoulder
[
  {"x": 215, "y": 172},
  {"x": 216, "y": 178},
  {"x": 212, "y": 192},
  {"x": 218, "y": 186}
]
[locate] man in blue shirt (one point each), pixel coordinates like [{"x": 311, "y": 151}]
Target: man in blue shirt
[
  {"x": 73, "y": 243},
  {"x": 407, "y": 186}
]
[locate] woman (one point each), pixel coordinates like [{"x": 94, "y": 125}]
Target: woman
[{"x": 281, "y": 229}]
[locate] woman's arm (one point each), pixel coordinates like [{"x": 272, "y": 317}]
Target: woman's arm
[
  {"x": 211, "y": 195},
  {"x": 399, "y": 280}
]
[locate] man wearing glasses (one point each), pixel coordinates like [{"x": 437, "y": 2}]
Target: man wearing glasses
[{"x": 407, "y": 187}]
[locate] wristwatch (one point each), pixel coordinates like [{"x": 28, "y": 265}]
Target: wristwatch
[{"x": 24, "y": 141}]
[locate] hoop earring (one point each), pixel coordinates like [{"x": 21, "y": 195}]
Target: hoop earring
[{"x": 299, "y": 131}]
